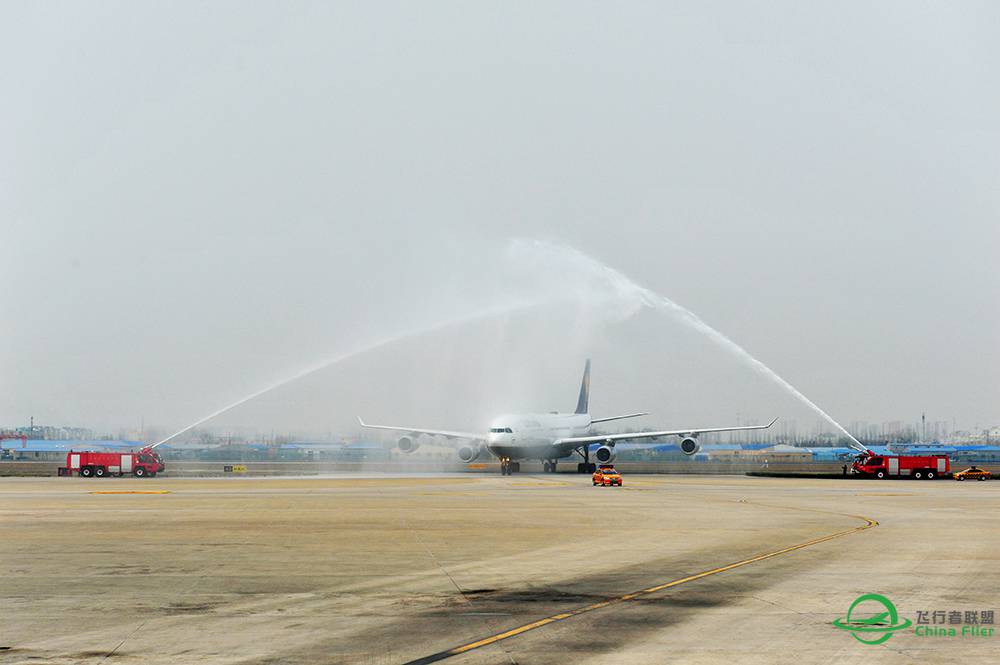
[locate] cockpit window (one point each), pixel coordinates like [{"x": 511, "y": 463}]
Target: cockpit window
[{"x": 501, "y": 430}]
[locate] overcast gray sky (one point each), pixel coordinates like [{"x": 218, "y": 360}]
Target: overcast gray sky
[{"x": 199, "y": 199}]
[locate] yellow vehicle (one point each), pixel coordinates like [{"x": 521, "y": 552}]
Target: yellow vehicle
[
  {"x": 606, "y": 476},
  {"x": 973, "y": 473}
]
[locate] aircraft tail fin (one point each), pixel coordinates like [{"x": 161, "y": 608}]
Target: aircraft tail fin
[{"x": 583, "y": 402}]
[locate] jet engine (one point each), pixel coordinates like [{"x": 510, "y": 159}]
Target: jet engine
[
  {"x": 469, "y": 453},
  {"x": 690, "y": 445},
  {"x": 605, "y": 454},
  {"x": 407, "y": 444}
]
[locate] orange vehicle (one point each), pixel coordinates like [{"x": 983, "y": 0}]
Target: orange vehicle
[
  {"x": 606, "y": 476},
  {"x": 973, "y": 473}
]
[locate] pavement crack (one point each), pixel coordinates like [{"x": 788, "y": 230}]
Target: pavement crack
[
  {"x": 124, "y": 640},
  {"x": 465, "y": 597}
]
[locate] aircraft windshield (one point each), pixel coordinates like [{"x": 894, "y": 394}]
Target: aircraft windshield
[{"x": 501, "y": 430}]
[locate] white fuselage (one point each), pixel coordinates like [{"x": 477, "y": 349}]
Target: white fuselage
[{"x": 530, "y": 436}]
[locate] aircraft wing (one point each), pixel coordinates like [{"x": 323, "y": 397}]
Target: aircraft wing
[
  {"x": 574, "y": 441},
  {"x": 627, "y": 415},
  {"x": 433, "y": 432}
]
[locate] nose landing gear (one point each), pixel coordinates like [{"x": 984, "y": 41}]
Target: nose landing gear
[{"x": 508, "y": 467}]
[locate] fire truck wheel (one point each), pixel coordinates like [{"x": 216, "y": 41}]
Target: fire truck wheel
[
  {"x": 139, "y": 472},
  {"x": 100, "y": 472},
  {"x": 880, "y": 474},
  {"x": 86, "y": 472},
  {"x": 930, "y": 475},
  {"x": 918, "y": 474}
]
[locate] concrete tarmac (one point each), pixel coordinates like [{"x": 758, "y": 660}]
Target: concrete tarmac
[{"x": 486, "y": 569}]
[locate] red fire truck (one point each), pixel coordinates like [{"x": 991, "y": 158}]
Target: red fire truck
[
  {"x": 918, "y": 467},
  {"x": 89, "y": 464}
]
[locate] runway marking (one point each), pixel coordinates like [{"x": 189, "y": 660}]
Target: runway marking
[
  {"x": 882, "y": 494},
  {"x": 455, "y": 493},
  {"x": 549, "y": 483},
  {"x": 513, "y": 632},
  {"x": 130, "y": 491}
]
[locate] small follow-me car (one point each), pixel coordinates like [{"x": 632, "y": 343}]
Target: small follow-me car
[
  {"x": 607, "y": 476},
  {"x": 973, "y": 473}
]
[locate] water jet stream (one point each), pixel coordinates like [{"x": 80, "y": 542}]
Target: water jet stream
[
  {"x": 576, "y": 264},
  {"x": 371, "y": 346},
  {"x": 629, "y": 291}
]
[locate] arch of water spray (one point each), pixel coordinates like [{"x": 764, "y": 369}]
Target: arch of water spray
[{"x": 615, "y": 286}]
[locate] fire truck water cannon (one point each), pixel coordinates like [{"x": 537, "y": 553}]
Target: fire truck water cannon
[{"x": 148, "y": 451}]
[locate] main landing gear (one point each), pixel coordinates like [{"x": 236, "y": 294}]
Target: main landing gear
[
  {"x": 549, "y": 466},
  {"x": 586, "y": 466},
  {"x": 508, "y": 467}
]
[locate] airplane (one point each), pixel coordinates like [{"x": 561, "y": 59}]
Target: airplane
[{"x": 550, "y": 437}]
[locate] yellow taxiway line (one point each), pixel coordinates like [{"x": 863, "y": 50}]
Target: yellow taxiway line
[
  {"x": 513, "y": 632},
  {"x": 130, "y": 492}
]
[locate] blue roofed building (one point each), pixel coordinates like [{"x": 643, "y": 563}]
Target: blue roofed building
[
  {"x": 358, "y": 451},
  {"x": 45, "y": 449}
]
